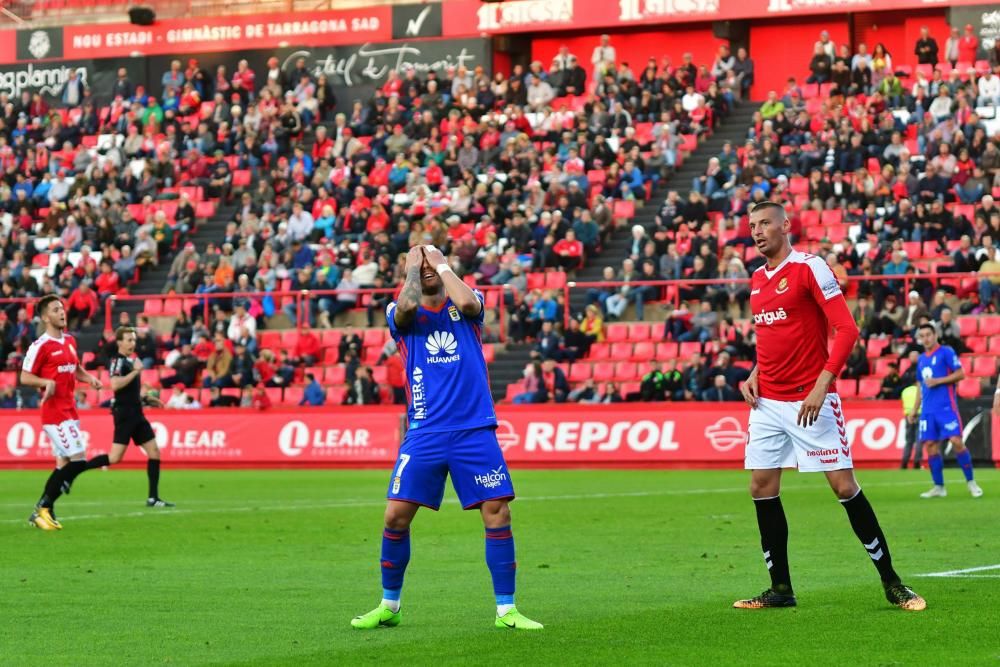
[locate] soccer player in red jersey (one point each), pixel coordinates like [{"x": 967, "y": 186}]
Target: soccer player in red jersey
[
  {"x": 796, "y": 416},
  {"x": 53, "y": 366}
]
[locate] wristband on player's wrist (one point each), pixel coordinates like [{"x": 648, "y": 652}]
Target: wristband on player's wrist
[{"x": 442, "y": 269}]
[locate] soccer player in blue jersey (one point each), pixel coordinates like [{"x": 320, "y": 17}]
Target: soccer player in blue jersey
[
  {"x": 938, "y": 371},
  {"x": 437, "y": 325}
]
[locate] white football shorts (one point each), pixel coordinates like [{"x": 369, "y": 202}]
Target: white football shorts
[
  {"x": 66, "y": 439},
  {"x": 777, "y": 441}
]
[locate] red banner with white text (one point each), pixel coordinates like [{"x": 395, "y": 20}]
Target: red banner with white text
[
  {"x": 472, "y": 17},
  {"x": 228, "y": 33},
  {"x": 632, "y": 434}
]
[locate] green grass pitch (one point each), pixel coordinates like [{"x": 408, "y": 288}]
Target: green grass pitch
[{"x": 623, "y": 567}]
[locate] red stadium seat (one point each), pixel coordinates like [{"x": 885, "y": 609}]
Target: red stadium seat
[
  {"x": 869, "y": 387},
  {"x": 604, "y": 372},
  {"x": 626, "y": 371},
  {"x": 967, "y": 325},
  {"x": 983, "y": 367},
  {"x": 666, "y": 351},
  {"x": 687, "y": 349},
  {"x": 881, "y": 367},
  {"x": 616, "y": 332},
  {"x": 336, "y": 395},
  {"x": 989, "y": 325},
  {"x": 555, "y": 280},
  {"x": 638, "y": 331},
  {"x": 536, "y": 280},
  {"x": 834, "y": 216},
  {"x": 657, "y": 331},
  {"x": 489, "y": 353},
  {"x": 336, "y": 374},
  {"x": 204, "y": 209},
  {"x": 644, "y": 351},
  {"x": 976, "y": 344},
  {"x": 241, "y": 178},
  {"x": 380, "y": 374},
  {"x": 847, "y": 388},
  {"x": 268, "y": 339},
  {"x": 876, "y": 346},
  {"x": 620, "y": 351},
  {"x": 374, "y": 337},
  {"x": 809, "y": 217},
  {"x": 994, "y": 345},
  {"x": 969, "y": 388},
  {"x": 329, "y": 337},
  {"x": 579, "y": 372},
  {"x": 599, "y": 351}
]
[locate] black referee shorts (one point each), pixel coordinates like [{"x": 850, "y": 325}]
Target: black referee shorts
[{"x": 132, "y": 427}]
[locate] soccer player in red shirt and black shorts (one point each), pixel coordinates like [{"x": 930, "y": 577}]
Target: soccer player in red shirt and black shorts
[
  {"x": 52, "y": 365},
  {"x": 796, "y": 416}
]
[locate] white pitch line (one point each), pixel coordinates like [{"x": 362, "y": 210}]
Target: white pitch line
[
  {"x": 965, "y": 572},
  {"x": 283, "y": 507}
]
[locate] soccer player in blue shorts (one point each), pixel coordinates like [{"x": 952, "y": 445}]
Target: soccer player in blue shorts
[
  {"x": 437, "y": 325},
  {"x": 938, "y": 370}
]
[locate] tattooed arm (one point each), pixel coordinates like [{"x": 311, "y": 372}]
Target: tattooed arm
[{"x": 409, "y": 297}]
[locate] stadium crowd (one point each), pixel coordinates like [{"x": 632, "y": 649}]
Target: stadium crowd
[{"x": 512, "y": 174}]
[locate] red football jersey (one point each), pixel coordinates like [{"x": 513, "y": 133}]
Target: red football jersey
[
  {"x": 793, "y": 307},
  {"x": 55, "y": 359}
]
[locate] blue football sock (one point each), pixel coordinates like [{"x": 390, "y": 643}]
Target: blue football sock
[
  {"x": 395, "y": 557},
  {"x": 965, "y": 460},
  {"x": 502, "y": 563},
  {"x": 936, "y": 464}
]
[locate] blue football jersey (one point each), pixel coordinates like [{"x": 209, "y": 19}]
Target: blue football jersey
[
  {"x": 941, "y": 362},
  {"x": 448, "y": 386}
]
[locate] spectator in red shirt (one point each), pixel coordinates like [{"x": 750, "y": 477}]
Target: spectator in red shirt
[
  {"x": 81, "y": 306},
  {"x": 323, "y": 144},
  {"x": 307, "y": 348},
  {"x": 243, "y": 82},
  {"x": 968, "y": 46},
  {"x": 396, "y": 379},
  {"x": 107, "y": 282},
  {"x": 569, "y": 251}
]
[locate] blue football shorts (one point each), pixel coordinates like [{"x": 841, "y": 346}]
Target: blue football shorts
[
  {"x": 939, "y": 424},
  {"x": 472, "y": 457}
]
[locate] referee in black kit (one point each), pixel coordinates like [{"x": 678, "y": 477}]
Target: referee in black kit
[{"x": 130, "y": 423}]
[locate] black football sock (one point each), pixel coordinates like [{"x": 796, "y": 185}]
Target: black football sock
[
  {"x": 99, "y": 461},
  {"x": 51, "y": 489},
  {"x": 774, "y": 541},
  {"x": 153, "y": 473},
  {"x": 865, "y": 525},
  {"x": 72, "y": 470}
]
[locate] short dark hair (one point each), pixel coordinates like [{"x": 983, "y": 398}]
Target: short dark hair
[
  {"x": 766, "y": 204},
  {"x": 121, "y": 332},
  {"x": 45, "y": 302},
  {"x": 928, "y": 325}
]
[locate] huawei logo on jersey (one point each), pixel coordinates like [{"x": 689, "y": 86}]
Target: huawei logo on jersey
[
  {"x": 770, "y": 316},
  {"x": 442, "y": 341},
  {"x": 782, "y": 287}
]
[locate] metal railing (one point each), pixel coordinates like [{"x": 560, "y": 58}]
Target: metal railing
[{"x": 298, "y": 299}]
